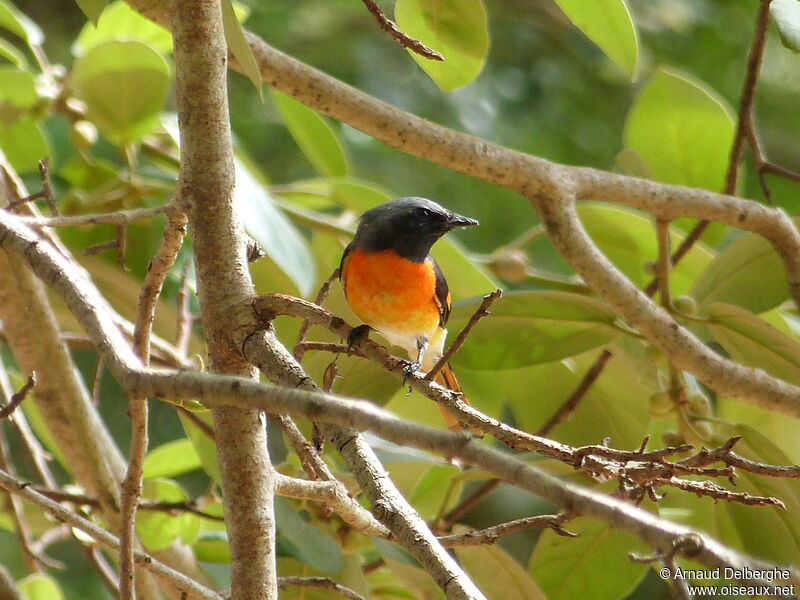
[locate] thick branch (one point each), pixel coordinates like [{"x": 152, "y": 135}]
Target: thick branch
[
  {"x": 215, "y": 390},
  {"x": 550, "y": 184},
  {"x": 206, "y": 183},
  {"x": 685, "y": 351},
  {"x": 187, "y": 587}
]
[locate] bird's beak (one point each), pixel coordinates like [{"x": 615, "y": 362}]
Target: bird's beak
[{"x": 459, "y": 221}]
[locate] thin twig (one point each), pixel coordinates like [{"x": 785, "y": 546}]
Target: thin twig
[
  {"x": 185, "y": 316},
  {"x": 319, "y": 582},
  {"x": 47, "y": 187},
  {"x": 302, "y": 347},
  {"x": 131, "y": 485},
  {"x": 310, "y": 459},
  {"x": 323, "y": 292},
  {"x": 469, "y": 503},
  {"x": 482, "y": 311},
  {"x": 96, "y": 380},
  {"x": 179, "y": 581},
  {"x": 663, "y": 261},
  {"x": 17, "y": 398},
  {"x": 571, "y": 403},
  {"x": 157, "y": 272},
  {"x": 406, "y": 41},
  {"x": 46, "y": 192},
  {"x": 490, "y": 535},
  {"x": 30, "y": 442},
  {"x": 33, "y": 561},
  {"x": 121, "y": 217},
  {"x": 204, "y": 427},
  {"x": 746, "y": 103}
]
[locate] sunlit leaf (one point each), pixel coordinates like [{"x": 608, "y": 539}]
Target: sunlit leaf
[
  {"x": 786, "y": 14},
  {"x": 92, "y": 8},
  {"x": 527, "y": 328},
  {"x": 497, "y": 574},
  {"x": 158, "y": 529},
  {"x": 25, "y": 144},
  {"x": 457, "y": 29},
  {"x": 12, "y": 54},
  {"x": 567, "y": 568},
  {"x": 627, "y": 238},
  {"x": 272, "y": 230},
  {"x": 608, "y": 24},
  {"x": 17, "y": 88},
  {"x": 124, "y": 85},
  {"x": 682, "y": 129},
  {"x": 238, "y": 46},
  {"x": 465, "y": 277},
  {"x": 754, "y": 342},
  {"x": 748, "y": 273},
  {"x": 11, "y": 19},
  {"x": 121, "y": 22},
  {"x": 211, "y": 544},
  {"x": 204, "y": 446},
  {"x": 616, "y": 403},
  {"x": 40, "y": 586},
  {"x": 316, "y": 138},
  {"x": 170, "y": 459}
]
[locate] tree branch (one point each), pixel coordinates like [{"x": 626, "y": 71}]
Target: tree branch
[
  {"x": 187, "y": 587},
  {"x": 217, "y": 390},
  {"x": 206, "y": 182}
]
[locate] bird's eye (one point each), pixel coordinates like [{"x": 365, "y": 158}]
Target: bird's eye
[{"x": 425, "y": 213}]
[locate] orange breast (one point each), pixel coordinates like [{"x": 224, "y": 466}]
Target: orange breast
[{"x": 390, "y": 293}]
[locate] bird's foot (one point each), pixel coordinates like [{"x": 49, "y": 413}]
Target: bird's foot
[{"x": 356, "y": 337}]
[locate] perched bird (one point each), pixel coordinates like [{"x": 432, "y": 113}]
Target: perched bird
[{"x": 393, "y": 284}]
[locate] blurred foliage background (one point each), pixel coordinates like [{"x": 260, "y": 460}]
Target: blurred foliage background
[{"x": 545, "y": 89}]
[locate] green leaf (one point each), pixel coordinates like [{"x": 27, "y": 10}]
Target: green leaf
[
  {"x": 92, "y": 8},
  {"x": 497, "y": 574},
  {"x": 170, "y": 459},
  {"x": 436, "y": 491},
  {"x": 204, "y": 446},
  {"x": 124, "y": 85},
  {"x": 238, "y": 46},
  {"x": 770, "y": 533},
  {"x": 608, "y": 24},
  {"x": 527, "y": 328},
  {"x": 754, "y": 342},
  {"x": 158, "y": 529},
  {"x": 313, "y": 134},
  {"x": 18, "y": 88},
  {"x": 457, "y": 29},
  {"x": 12, "y": 54},
  {"x": 682, "y": 129},
  {"x": 568, "y": 568},
  {"x": 615, "y": 406},
  {"x": 786, "y": 14},
  {"x": 211, "y": 544},
  {"x": 747, "y": 273},
  {"x": 121, "y": 22},
  {"x": 272, "y": 230},
  {"x": 11, "y": 19},
  {"x": 627, "y": 238},
  {"x": 312, "y": 545},
  {"x": 40, "y": 587},
  {"x": 25, "y": 144},
  {"x": 464, "y": 277}
]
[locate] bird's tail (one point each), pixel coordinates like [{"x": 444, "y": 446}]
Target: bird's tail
[{"x": 446, "y": 378}]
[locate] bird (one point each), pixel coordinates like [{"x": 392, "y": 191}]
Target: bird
[{"x": 395, "y": 286}]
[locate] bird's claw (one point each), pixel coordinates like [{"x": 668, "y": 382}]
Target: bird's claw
[{"x": 357, "y": 336}]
